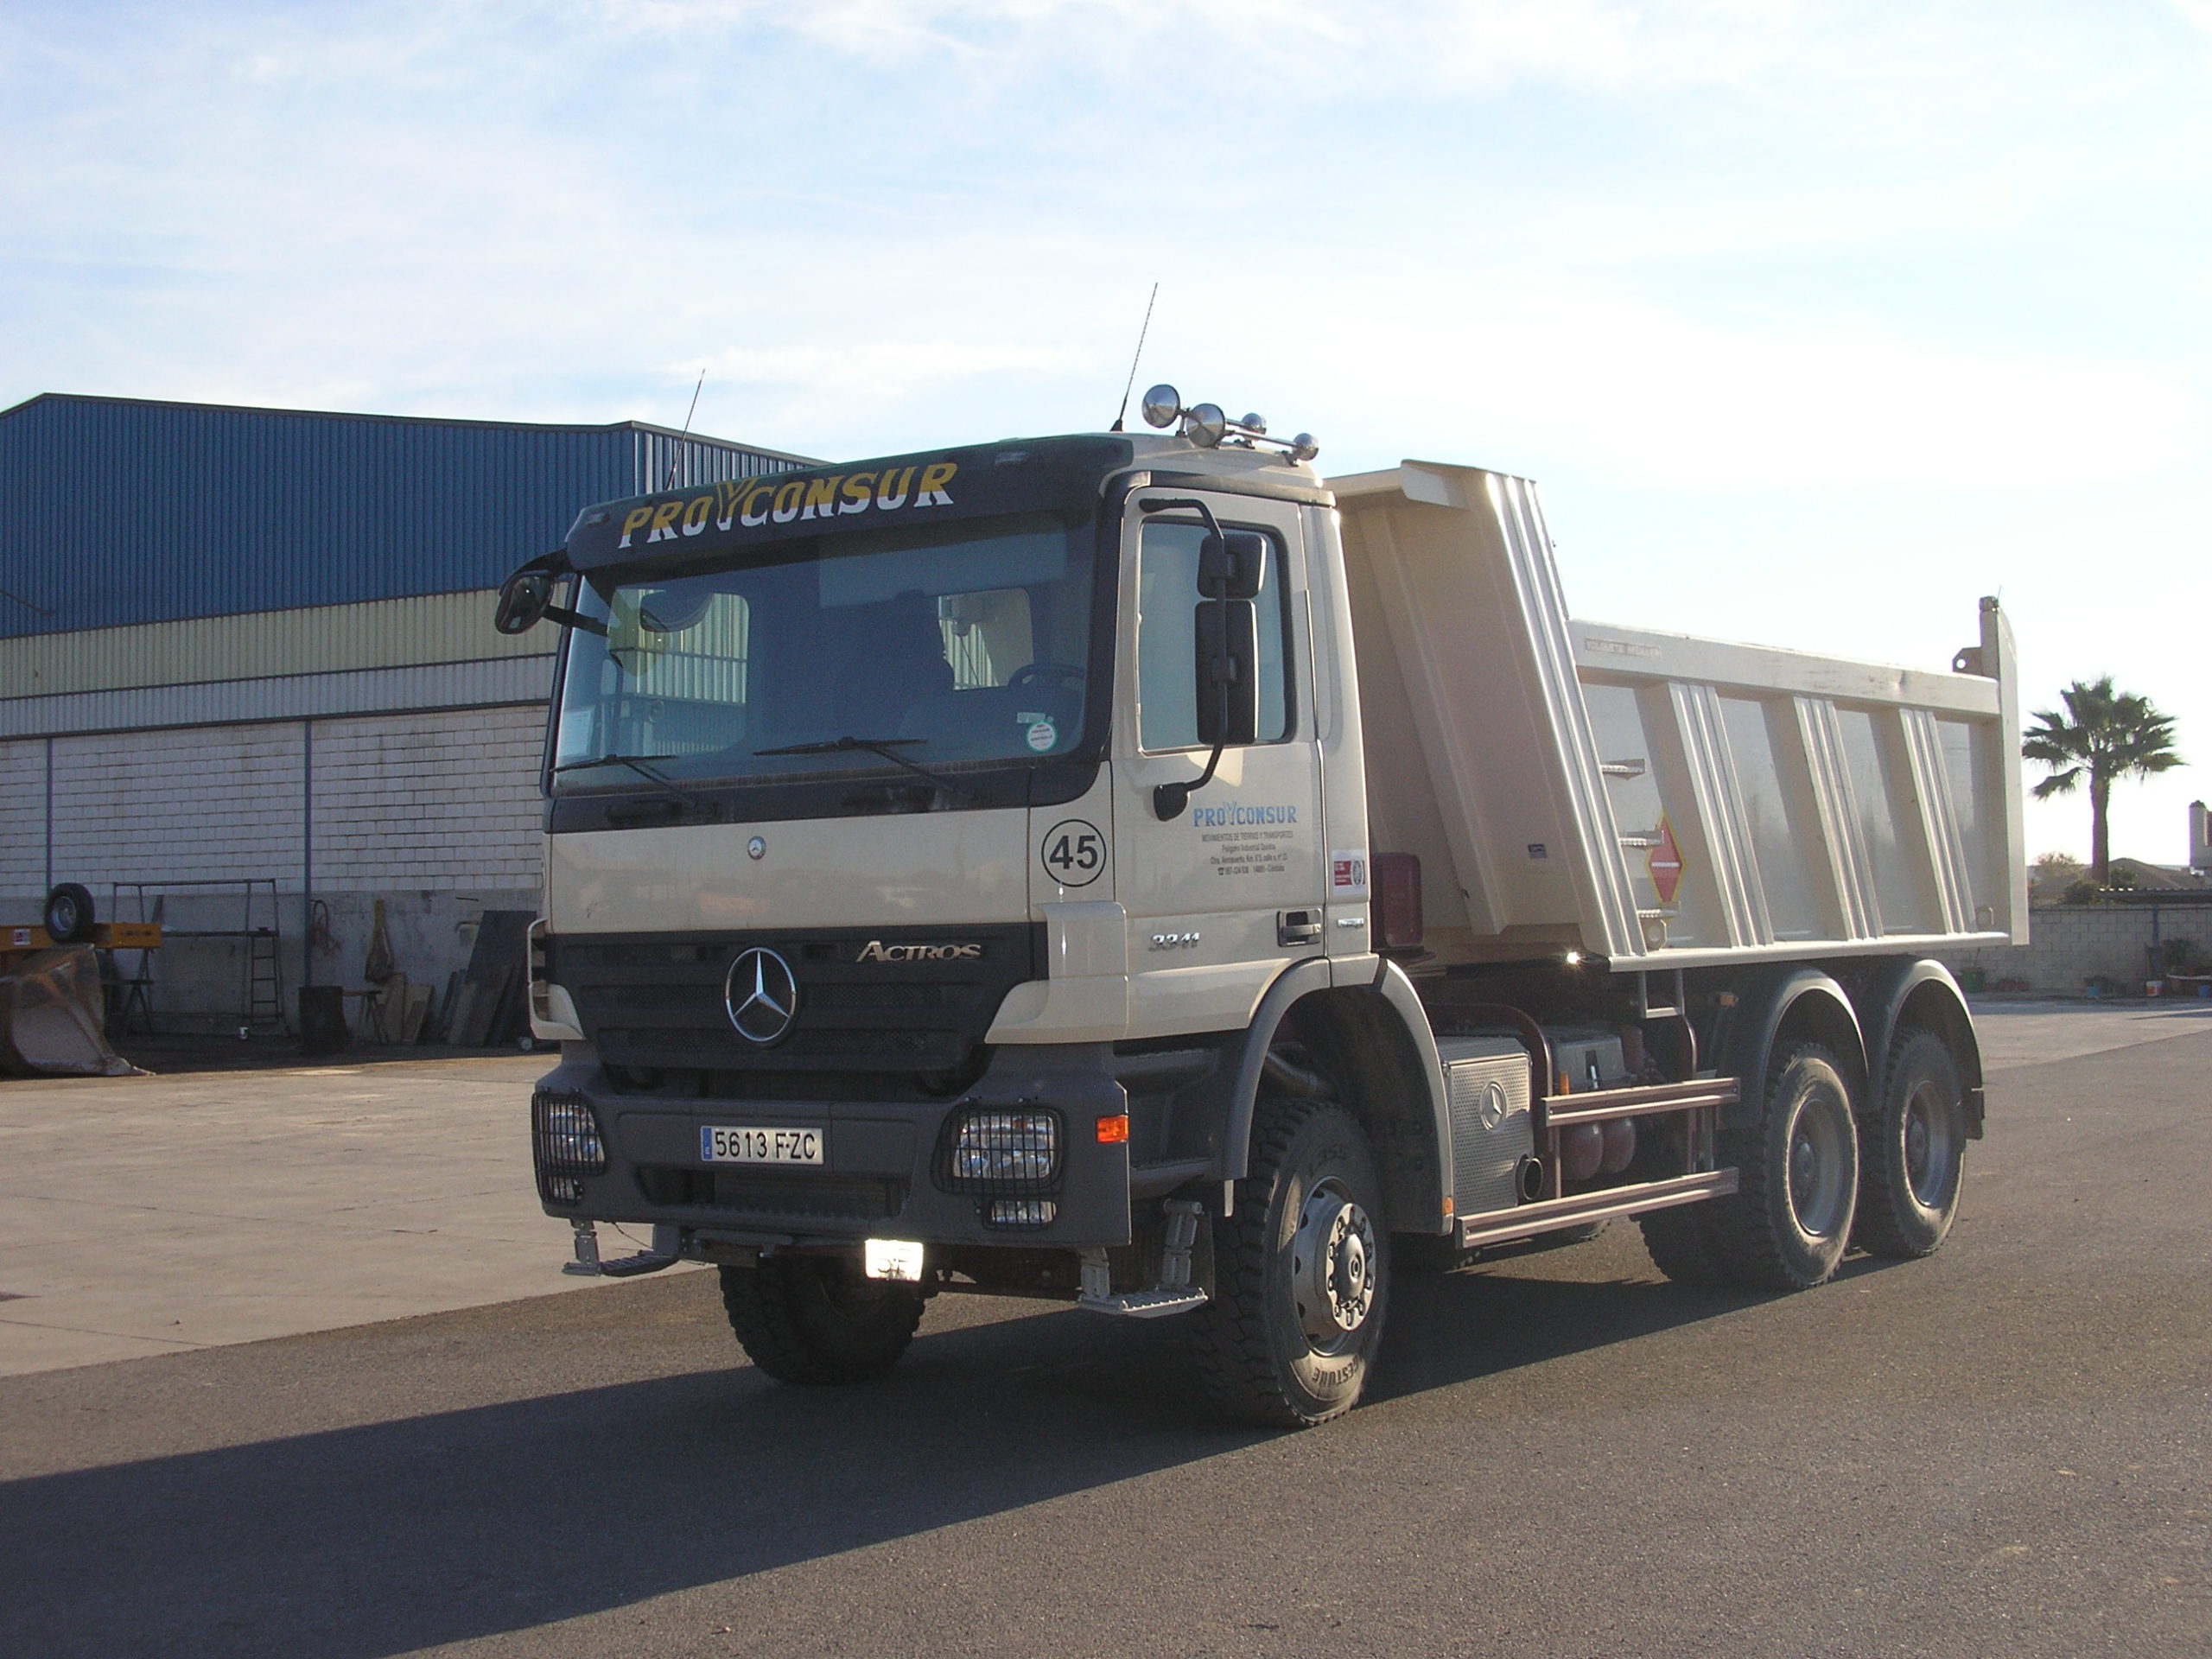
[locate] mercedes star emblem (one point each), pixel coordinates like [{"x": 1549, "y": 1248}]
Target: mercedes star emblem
[{"x": 761, "y": 996}]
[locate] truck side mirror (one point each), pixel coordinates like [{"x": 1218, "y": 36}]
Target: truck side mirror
[
  {"x": 1227, "y": 632},
  {"x": 1230, "y": 564},
  {"x": 524, "y": 599}
]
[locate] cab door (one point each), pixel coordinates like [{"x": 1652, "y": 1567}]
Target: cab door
[{"x": 1222, "y": 896}]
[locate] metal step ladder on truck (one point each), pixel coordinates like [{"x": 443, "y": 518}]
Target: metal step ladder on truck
[{"x": 1126, "y": 868}]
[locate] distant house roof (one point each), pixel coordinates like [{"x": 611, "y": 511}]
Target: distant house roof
[{"x": 123, "y": 509}]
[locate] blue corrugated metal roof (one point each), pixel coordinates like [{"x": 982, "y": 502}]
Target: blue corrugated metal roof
[{"x": 117, "y": 510}]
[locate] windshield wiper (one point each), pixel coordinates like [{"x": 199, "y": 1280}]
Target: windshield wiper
[
  {"x": 638, "y": 763},
  {"x": 888, "y": 747}
]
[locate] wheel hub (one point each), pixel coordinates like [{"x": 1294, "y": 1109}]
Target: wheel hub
[
  {"x": 1332, "y": 1266},
  {"x": 1931, "y": 1145},
  {"x": 1816, "y": 1171}
]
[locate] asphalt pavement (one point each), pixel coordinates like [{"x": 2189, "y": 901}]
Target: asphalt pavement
[{"x": 2000, "y": 1449}]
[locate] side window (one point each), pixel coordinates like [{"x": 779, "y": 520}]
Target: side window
[{"x": 1167, "y": 601}]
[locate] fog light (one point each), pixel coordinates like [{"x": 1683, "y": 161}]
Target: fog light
[
  {"x": 560, "y": 1189},
  {"x": 1023, "y": 1212},
  {"x": 564, "y": 1134},
  {"x": 892, "y": 1258},
  {"x": 1002, "y": 1150}
]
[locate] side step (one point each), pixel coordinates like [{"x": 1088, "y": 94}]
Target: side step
[
  {"x": 667, "y": 1243},
  {"x": 1174, "y": 1293},
  {"x": 1501, "y": 1226},
  {"x": 1145, "y": 1304}
]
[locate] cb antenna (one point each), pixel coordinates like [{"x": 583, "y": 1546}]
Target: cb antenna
[
  {"x": 676, "y": 453},
  {"x": 1135, "y": 359}
]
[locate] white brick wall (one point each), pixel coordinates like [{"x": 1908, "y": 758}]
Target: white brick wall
[
  {"x": 403, "y": 802},
  {"x": 22, "y": 823},
  {"x": 195, "y": 804},
  {"x": 418, "y": 802},
  {"x": 2067, "y": 943}
]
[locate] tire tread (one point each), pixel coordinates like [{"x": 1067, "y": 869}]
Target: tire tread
[
  {"x": 1877, "y": 1228},
  {"x": 765, "y": 1315},
  {"x": 1740, "y": 1229}
]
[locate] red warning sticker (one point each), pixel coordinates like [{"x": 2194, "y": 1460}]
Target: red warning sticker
[{"x": 1665, "y": 863}]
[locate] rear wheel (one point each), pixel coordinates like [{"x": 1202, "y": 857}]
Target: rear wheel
[
  {"x": 816, "y": 1319},
  {"x": 1912, "y": 1149},
  {"x": 1301, "y": 1270},
  {"x": 1678, "y": 1243},
  {"x": 1786, "y": 1226}
]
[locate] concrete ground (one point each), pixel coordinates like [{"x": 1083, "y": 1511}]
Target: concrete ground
[
  {"x": 2023, "y": 1031},
  {"x": 148, "y": 1215},
  {"x": 2000, "y": 1449}
]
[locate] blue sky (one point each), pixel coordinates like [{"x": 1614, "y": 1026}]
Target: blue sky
[{"x": 1814, "y": 321}]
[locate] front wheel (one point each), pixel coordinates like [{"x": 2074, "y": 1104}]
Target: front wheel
[
  {"x": 1912, "y": 1149},
  {"x": 816, "y": 1319},
  {"x": 1301, "y": 1270}
]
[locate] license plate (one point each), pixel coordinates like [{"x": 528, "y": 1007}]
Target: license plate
[{"x": 760, "y": 1145}]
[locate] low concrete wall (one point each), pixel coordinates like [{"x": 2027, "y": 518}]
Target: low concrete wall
[{"x": 2070, "y": 943}]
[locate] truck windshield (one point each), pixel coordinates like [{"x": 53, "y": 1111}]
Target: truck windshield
[{"x": 947, "y": 649}]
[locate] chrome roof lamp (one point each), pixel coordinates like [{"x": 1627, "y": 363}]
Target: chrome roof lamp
[{"x": 1204, "y": 425}]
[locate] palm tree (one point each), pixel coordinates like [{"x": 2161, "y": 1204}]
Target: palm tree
[{"x": 2106, "y": 735}]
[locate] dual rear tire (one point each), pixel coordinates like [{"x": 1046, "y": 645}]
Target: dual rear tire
[
  {"x": 1814, "y": 1177},
  {"x": 1912, "y": 1149}
]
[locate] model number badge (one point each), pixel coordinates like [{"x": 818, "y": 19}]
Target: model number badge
[{"x": 1074, "y": 853}]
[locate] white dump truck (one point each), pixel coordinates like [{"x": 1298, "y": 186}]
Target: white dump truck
[{"x": 1127, "y": 868}]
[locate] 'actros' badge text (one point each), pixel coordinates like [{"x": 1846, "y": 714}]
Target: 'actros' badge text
[{"x": 877, "y": 950}]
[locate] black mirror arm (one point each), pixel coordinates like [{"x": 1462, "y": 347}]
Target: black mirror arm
[
  {"x": 1191, "y": 504},
  {"x": 568, "y": 619},
  {"x": 1169, "y": 800}
]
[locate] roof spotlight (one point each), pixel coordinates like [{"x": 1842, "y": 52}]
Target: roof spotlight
[
  {"x": 1162, "y": 406},
  {"x": 1205, "y": 425}
]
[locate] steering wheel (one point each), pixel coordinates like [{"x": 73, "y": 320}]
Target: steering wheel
[{"x": 1030, "y": 673}]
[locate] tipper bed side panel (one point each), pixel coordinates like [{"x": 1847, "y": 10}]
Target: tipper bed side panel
[
  {"x": 1778, "y": 803},
  {"x": 1480, "y": 758}
]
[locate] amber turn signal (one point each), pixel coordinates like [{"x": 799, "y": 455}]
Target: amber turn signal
[{"x": 1113, "y": 1131}]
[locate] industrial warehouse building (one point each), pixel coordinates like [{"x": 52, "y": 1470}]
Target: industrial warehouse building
[{"x": 249, "y": 684}]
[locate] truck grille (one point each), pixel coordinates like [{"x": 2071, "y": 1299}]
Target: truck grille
[{"x": 656, "y": 1001}]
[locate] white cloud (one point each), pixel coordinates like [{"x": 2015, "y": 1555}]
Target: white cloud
[
  {"x": 1343, "y": 46},
  {"x": 1519, "y": 366},
  {"x": 2195, "y": 12},
  {"x": 881, "y": 367}
]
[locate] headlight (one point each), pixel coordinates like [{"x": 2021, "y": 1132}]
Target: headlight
[
  {"x": 1000, "y": 1152},
  {"x": 564, "y": 1135}
]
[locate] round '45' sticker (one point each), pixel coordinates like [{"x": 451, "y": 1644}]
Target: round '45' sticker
[{"x": 1074, "y": 853}]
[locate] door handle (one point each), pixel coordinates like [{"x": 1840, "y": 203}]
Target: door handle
[{"x": 1298, "y": 927}]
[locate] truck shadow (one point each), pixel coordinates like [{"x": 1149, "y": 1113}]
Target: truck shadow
[{"x": 386, "y": 1538}]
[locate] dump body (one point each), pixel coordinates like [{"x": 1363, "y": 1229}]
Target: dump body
[{"x": 1651, "y": 799}]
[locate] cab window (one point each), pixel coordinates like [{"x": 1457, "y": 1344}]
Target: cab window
[{"x": 1168, "y": 601}]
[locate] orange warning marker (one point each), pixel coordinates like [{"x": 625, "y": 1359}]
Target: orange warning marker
[{"x": 1665, "y": 863}]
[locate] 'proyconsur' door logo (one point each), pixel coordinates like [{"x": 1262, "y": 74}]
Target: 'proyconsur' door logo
[{"x": 762, "y": 997}]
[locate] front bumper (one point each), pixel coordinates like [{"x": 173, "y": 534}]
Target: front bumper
[{"x": 881, "y": 1175}]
